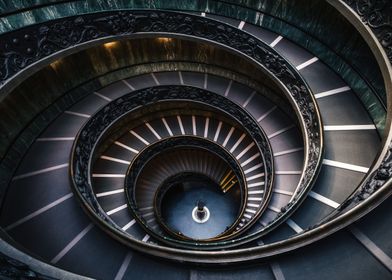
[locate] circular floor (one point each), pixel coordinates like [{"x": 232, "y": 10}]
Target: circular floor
[{"x": 180, "y": 201}]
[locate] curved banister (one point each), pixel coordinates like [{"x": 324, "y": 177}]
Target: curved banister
[
  {"x": 48, "y": 41},
  {"x": 380, "y": 174}
]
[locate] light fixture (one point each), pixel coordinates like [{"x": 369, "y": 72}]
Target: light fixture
[
  {"x": 110, "y": 45},
  {"x": 164, "y": 39},
  {"x": 55, "y": 64}
]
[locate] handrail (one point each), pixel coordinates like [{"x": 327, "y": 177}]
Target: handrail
[
  {"x": 48, "y": 41},
  {"x": 371, "y": 20},
  {"x": 92, "y": 134},
  {"x": 250, "y": 7},
  {"x": 109, "y": 26},
  {"x": 178, "y": 142}
]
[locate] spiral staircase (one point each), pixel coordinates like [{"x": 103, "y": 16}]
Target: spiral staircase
[{"x": 195, "y": 139}]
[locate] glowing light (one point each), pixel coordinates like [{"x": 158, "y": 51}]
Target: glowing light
[
  {"x": 55, "y": 64},
  {"x": 110, "y": 45},
  {"x": 164, "y": 39}
]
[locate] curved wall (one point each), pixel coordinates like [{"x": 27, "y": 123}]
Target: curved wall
[{"x": 315, "y": 25}]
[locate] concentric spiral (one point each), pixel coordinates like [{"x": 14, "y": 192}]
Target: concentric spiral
[{"x": 198, "y": 139}]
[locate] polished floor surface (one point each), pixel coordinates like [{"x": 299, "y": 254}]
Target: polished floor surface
[{"x": 180, "y": 201}]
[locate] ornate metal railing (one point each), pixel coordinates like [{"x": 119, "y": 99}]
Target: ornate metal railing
[
  {"x": 373, "y": 20},
  {"x": 376, "y": 15},
  {"x": 178, "y": 142},
  {"x": 44, "y": 43},
  {"x": 380, "y": 176},
  {"x": 28, "y": 48},
  {"x": 360, "y": 80},
  {"x": 92, "y": 135}
]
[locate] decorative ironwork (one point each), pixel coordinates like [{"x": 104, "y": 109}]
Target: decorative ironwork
[
  {"x": 376, "y": 180},
  {"x": 179, "y": 142},
  {"x": 13, "y": 269},
  {"x": 25, "y": 47},
  {"x": 374, "y": 13},
  {"x": 125, "y": 23},
  {"x": 90, "y": 135},
  {"x": 377, "y": 14}
]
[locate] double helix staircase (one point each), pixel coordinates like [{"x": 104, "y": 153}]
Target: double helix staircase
[{"x": 76, "y": 214}]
